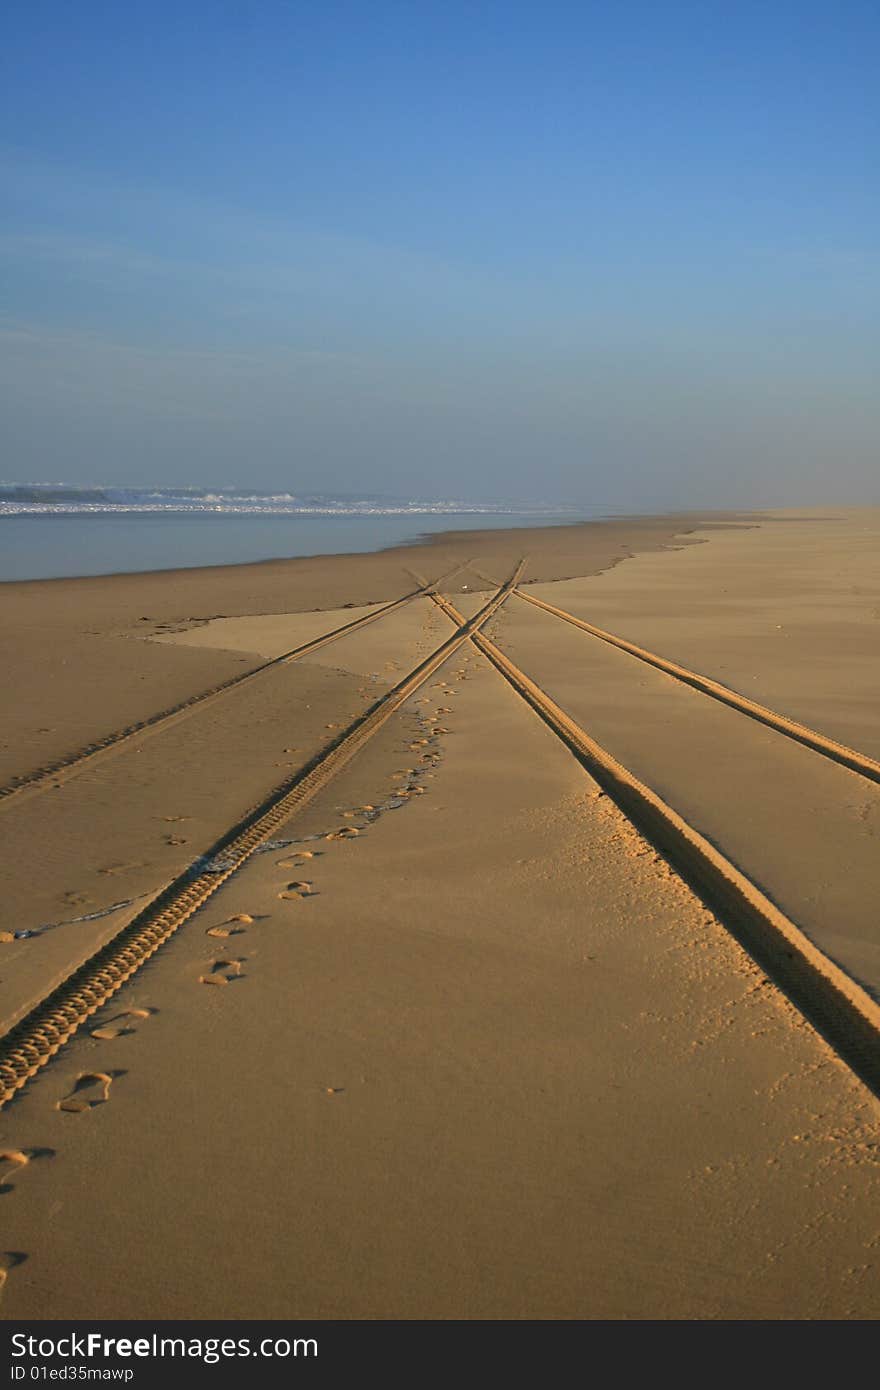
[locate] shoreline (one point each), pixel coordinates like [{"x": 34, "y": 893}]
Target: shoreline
[
  {"x": 211, "y": 540},
  {"x": 93, "y": 636},
  {"x": 420, "y": 541}
]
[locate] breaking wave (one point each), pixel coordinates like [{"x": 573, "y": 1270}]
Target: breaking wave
[{"x": 41, "y": 499}]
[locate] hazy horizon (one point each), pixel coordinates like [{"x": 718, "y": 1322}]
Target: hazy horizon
[{"x": 620, "y": 258}]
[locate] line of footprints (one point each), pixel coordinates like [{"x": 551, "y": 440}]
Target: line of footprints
[
  {"x": 92, "y": 1088},
  {"x": 408, "y": 783},
  {"x": 224, "y": 970}
]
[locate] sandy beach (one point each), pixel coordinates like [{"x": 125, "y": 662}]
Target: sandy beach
[{"x": 444, "y": 1023}]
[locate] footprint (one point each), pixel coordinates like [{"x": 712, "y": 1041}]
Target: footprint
[
  {"x": 13, "y": 1160},
  {"x": 299, "y": 889},
  {"x": 175, "y": 840},
  {"x": 92, "y": 1089},
  {"x": 121, "y": 1024},
  {"x": 9, "y": 1259},
  {"x": 221, "y": 972},
  {"x": 233, "y": 926},
  {"x": 173, "y": 820},
  {"x": 293, "y": 861},
  {"x": 345, "y": 832}
]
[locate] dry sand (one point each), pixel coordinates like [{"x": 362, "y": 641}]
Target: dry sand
[{"x": 494, "y": 1059}]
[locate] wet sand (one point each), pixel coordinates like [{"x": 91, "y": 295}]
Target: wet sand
[{"x": 490, "y": 1057}]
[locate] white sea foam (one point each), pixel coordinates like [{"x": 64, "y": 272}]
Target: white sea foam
[{"x": 57, "y": 500}]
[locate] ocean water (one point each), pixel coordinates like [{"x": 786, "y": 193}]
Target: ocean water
[{"x": 88, "y": 534}]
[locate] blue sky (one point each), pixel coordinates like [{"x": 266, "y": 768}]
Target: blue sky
[{"x": 620, "y": 254}]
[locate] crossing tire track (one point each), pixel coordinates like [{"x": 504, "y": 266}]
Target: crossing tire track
[
  {"x": 32, "y": 1042},
  {"x": 837, "y": 1006},
  {"x": 56, "y": 773}
]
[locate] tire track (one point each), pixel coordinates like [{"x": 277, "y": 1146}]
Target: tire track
[
  {"x": 810, "y": 738},
  {"x": 54, "y": 774},
  {"x": 835, "y": 1004},
  {"x": 27, "y": 1047}
]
